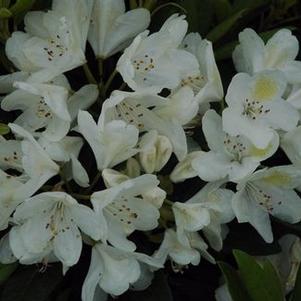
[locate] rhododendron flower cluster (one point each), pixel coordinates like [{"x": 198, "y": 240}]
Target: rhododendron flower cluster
[{"x": 92, "y": 165}]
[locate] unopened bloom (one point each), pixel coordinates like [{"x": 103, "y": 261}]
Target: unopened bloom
[
  {"x": 155, "y": 151},
  {"x": 184, "y": 170}
]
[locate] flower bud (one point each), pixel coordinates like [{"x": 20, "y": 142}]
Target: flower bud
[
  {"x": 155, "y": 151},
  {"x": 113, "y": 177},
  {"x": 156, "y": 196},
  {"x": 132, "y": 168},
  {"x": 183, "y": 169}
]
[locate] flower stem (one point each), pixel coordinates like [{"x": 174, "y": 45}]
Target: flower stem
[
  {"x": 108, "y": 83},
  {"x": 168, "y": 202},
  {"x": 89, "y": 75},
  {"x": 94, "y": 182},
  {"x": 100, "y": 68},
  {"x": 168, "y": 4},
  {"x": 81, "y": 196}
]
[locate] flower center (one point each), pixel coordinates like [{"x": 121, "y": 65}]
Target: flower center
[
  {"x": 131, "y": 113},
  {"x": 253, "y": 109},
  {"x": 235, "y": 146},
  {"x": 43, "y": 109},
  {"x": 196, "y": 83},
  {"x": 144, "y": 65},
  {"x": 121, "y": 210}
]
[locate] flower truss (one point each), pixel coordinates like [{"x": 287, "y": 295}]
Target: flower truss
[{"x": 91, "y": 166}]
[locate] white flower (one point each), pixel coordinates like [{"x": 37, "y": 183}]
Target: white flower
[
  {"x": 48, "y": 106},
  {"x": 66, "y": 151},
  {"x": 268, "y": 191},
  {"x": 200, "y": 72},
  {"x": 256, "y": 108},
  {"x": 183, "y": 252},
  {"x": 125, "y": 210},
  {"x": 150, "y": 112},
  {"x": 155, "y": 151},
  {"x": 114, "y": 270},
  {"x": 112, "y": 142},
  {"x": 208, "y": 210},
  {"x": 232, "y": 156},
  {"x": 153, "y": 62},
  {"x": 54, "y": 42},
  {"x": 49, "y": 222},
  {"x": 279, "y": 53},
  {"x": 112, "y": 29},
  {"x": 36, "y": 163},
  {"x": 29, "y": 158}
]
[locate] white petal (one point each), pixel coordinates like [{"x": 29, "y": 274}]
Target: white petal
[
  {"x": 93, "y": 277},
  {"x": 87, "y": 220},
  {"x": 68, "y": 244},
  {"x": 247, "y": 210},
  {"x": 282, "y": 47},
  {"x": 212, "y": 166},
  {"x": 249, "y": 54}
]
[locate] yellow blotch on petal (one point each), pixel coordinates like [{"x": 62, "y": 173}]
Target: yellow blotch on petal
[
  {"x": 265, "y": 89},
  {"x": 278, "y": 179},
  {"x": 259, "y": 152}
]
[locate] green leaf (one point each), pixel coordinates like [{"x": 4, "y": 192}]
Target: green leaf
[
  {"x": 235, "y": 286},
  {"x": 6, "y": 270},
  {"x": 5, "y": 3},
  {"x": 4, "y": 129},
  {"x": 5, "y": 13},
  {"x": 133, "y": 4},
  {"x": 20, "y": 8},
  {"x": 221, "y": 29},
  {"x": 222, "y": 8},
  {"x": 250, "y": 4},
  {"x": 296, "y": 294},
  {"x": 225, "y": 52},
  {"x": 200, "y": 14},
  {"x": 28, "y": 284},
  {"x": 261, "y": 282}
]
